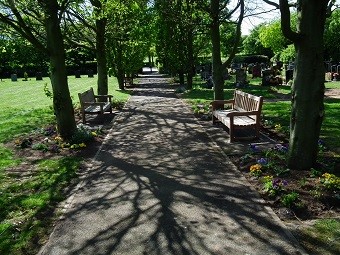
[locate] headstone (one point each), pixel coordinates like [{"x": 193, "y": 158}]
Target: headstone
[
  {"x": 14, "y": 77},
  {"x": 289, "y": 75},
  {"x": 241, "y": 77},
  {"x": 90, "y": 73},
  {"x": 77, "y": 73},
  {"x": 38, "y": 76},
  {"x": 328, "y": 76},
  {"x": 266, "y": 76},
  {"x": 256, "y": 71}
]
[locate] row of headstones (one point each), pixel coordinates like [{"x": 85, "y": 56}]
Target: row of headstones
[{"x": 39, "y": 77}]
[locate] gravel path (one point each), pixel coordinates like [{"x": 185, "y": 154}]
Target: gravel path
[{"x": 160, "y": 185}]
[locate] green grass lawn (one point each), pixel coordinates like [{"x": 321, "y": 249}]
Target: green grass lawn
[
  {"x": 25, "y": 201},
  {"x": 24, "y": 103}
]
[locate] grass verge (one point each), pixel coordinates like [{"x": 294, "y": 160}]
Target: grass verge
[{"x": 29, "y": 193}]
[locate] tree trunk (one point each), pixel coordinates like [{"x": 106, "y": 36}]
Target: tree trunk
[
  {"x": 119, "y": 66},
  {"x": 62, "y": 102},
  {"x": 217, "y": 72},
  {"x": 190, "y": 53},
  {"x": 181, "y": 77},
  {"x": 102, "y": 82},
  {"x": 308, "y": 87}
]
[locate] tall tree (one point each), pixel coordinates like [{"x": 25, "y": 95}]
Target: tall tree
[
  {"x": 86, "y": 28},
  {"x": 182, "y": 36},
  {"x": 128, "y": 35},
  {"x": 39, "y": 23},
  {"x": 308, "y": 87},
  {"x": 220, "y": 13}
]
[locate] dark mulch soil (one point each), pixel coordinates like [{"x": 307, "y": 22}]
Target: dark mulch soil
[{"x": 315, "y": 201}]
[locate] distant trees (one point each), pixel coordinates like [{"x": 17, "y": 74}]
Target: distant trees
[
  {"x": 332, "y": 37},
  {"x": 252, "y": 43},
  {"x": 129, "y": 33},
  {"x": 182, "y": 25}
]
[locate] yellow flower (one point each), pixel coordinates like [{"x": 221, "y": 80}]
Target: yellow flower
[
  {"x": 82, "y": 145},
  {"x": 94, "y": 133},
  {"x": 58, "y": 139},
  {"x": 255, "y": 167}
]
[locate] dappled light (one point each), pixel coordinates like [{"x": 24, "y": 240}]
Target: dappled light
[{"x": 160, "y": 185}]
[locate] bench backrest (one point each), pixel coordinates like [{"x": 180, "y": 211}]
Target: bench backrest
[
  {"x": 87, "y": 97},
  {"x": 247, "y": 102}
]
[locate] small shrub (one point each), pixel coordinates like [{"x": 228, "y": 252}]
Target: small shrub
[
  {"x": 315, "y": 173},
  {"x": 330, "y": 181},
  {"x": 40, "y": 147},
  {"x": 47, "y": 92},
  {"x": 290, "y": 199},
  {"x": 82, "y": 135},
  {"x": 273, "y": 186}
]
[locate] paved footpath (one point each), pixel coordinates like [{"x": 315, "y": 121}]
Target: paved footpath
[{"x": 160, "y": 185}]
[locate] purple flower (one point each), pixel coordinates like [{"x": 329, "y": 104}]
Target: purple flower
[
  {"x": 254, "y": 148},
  {"x": 262, "y": 161},
  {"x": 281, "y": 148},
  {"x": 321, "y": 143}
]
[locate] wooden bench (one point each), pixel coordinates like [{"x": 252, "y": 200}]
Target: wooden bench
[
  {"x": 244, "y": 112},
  {"x": 94, "y": 104}
]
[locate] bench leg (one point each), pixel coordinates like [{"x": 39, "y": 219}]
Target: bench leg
[
  {"x": 231, "y": 134},
  {"x": 83, "y": 117},
  {"x": 213, "y": 119}
]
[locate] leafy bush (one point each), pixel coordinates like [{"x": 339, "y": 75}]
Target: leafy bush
[
  {"x": 289, "y": 200},
  {"x": 82, "y": 135}
]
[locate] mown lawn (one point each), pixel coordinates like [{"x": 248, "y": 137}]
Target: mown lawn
[
  {"x": 25, "y": 105},
  {"x": 27, "y": 204}
]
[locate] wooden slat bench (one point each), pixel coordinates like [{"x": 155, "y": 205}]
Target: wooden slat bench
[
  {"x": 244, "y": 112},
  {"x": 94, "y": 104}
]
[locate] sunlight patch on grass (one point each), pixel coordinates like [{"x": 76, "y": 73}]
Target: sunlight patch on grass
[
  {"x": 23, "y": 201},
  {"x": 323, "y": 237},
  {"x": 6, "y": 159}
]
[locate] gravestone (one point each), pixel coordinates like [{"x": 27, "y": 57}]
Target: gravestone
[
  {"x": 241, "y": 78},
  {"x": 256, "y": 70},
  {"x": 14, "y": 77},
  {"x": 328, "y": 76},
  {"x": 77, "y": 73},
  {"x": 289, "y": 75},
  {"x": 90, "y": 73},
  {"x": 38, "y": 76}
]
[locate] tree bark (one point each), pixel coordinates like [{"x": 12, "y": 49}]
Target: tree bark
[
  {"x": 191, "y": 65},
  {"x": 62, "y": 102},
  {"x": 181, "y": 77},
  {"x": 217, "y": 71},
  {"x": 102, "y": 81},
  {"x": 308, "y": 86},
  {"x": 120, "y": 68}
]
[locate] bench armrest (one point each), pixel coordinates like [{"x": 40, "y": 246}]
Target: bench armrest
[{"x": 218, "y": 104}]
